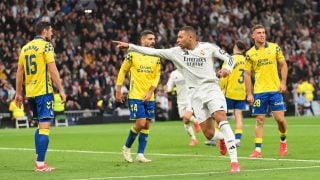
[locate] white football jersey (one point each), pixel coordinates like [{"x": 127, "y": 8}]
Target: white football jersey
[
  {"x": 196, "y": 65},
  {"x": 176, "y": 80}
]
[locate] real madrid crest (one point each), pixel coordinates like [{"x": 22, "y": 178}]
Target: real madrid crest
[{"x": 202, "y": 53}]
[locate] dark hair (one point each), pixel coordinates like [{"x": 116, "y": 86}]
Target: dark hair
[
  {"x": 188, "y": 29},
  {"x": 145, "y": 32},
  {"x": 41, "y": 26},
  {"x": 257, "y": 26},
  {"x": 241, "y": 46}
]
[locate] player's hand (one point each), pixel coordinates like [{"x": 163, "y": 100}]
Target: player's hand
[
  {"x": 283, "y": 88},
  {"x": 250, "y": 98},
  {"x": 223, "y": 72},
  {"x": 119, "y": 97},
  {"x": 18, "y": 100},
  {"x": 187, "y": 116},
  {"x": 63, "y": 96},
  {"x": 121, "y": 45},
  {"x": 147, "y": 97}
]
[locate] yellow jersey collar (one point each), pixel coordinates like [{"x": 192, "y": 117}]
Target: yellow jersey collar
[
  {"x": 39, "y": 37},
  {"x": 265, "y": 46}
]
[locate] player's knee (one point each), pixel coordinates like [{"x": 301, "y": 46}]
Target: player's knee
[
  {"x": 280, "y": 119},
  {"x": 220, "y": 116},
  {"x": 259, "y": 121},
  {"x": 208, "y": 133},
  {"x": 142, "y": 124}
]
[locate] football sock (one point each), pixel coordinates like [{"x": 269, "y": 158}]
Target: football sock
[
  {"x": 36, "y": 139},
  {"x": 40, "y": 163},
  {"x": 238, "y": 134},
  {"x": 283, "y": 136},
  {"x": 217, "y": 136},
  {"x": 41, "y": 142},
  {"x": 228, "y": 135},
  {"x": 258, "y": 144},
  {"x": 193, "y": 119},
  {"x": 189, "y": 130},
  {"x": 143, "y": 139},
  {"x": 131, "y": 137}
]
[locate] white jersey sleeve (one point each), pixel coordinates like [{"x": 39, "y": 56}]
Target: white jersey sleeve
[
  {"x": 170, "y": 83},
  {"x": 221, "y": 54}
]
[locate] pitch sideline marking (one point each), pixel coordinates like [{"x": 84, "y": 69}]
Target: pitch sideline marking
[
  {"x": 159, "y": 154},
  {"x": 200, "y": 173}
]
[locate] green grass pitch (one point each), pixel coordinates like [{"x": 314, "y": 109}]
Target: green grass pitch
[{"x": 93, "y": 152}]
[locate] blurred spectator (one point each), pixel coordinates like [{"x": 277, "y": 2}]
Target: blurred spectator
[
  {"x": 306, "y": 88},
  {"x": 72, "y": 104},
  {"x": 16, "y": 112},
  {"x": 304, "y": 104},
  {"x": 162, "y": 105}
]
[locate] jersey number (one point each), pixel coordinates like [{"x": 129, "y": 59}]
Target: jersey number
[
  {"x": 257, "y": 103},
  {"x": 241, "y": 80},
  {"x": 134, "y": 109},
  {"x": 31, "y": 66}
]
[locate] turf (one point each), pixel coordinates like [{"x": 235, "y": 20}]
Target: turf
[{"x": 93, "y": 152}]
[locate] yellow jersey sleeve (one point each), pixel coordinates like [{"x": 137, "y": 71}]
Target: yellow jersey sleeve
[
  {"x": 48, "y": 53},
  {"x": 125, "y": 67}
]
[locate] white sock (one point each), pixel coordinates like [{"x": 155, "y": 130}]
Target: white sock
[
  {"x": 189, "y": 131},
  {"x": 140, "y": 154},
  {"x": 258, "y": 149},
  {"x": 40, "y": 163},
  {"x": 228, "y": 135},
  {"x": 193, "y": 119},
  {"x": 217, "y": 136}
]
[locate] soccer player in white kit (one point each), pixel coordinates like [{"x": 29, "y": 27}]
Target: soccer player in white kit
[
  {"x": 176, "y": 80},
  {"x": 195, "y": 60}
]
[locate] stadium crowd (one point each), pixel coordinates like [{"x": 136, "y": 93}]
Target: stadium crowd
[{"x": 89, "y": 63}]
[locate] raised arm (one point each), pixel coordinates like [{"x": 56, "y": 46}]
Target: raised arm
[{"x": 162, "y": 53}]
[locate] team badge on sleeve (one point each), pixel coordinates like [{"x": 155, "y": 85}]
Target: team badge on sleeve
[{"x": 128, "y": 57}]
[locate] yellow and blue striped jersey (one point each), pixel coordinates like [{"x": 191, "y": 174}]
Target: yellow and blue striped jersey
[
  {"x": 144, "y": 73},
  {"x": 263, "y": 62},
  {"x": 34, "y": 57},
  {"x": 233, "y": 85}
]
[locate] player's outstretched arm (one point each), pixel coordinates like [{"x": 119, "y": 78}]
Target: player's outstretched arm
[
  {"x": 121, "y": 45},
  {"x": 162, "y": 53}
]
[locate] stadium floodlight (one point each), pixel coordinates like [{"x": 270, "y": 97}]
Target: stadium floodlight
[{"x": 88, "y": 11}]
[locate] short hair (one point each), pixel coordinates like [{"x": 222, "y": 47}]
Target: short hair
[
  {"x": 40, "y": 26},
  {"x": 145, "y": 32},
  {"x": 258, "y": 26},
  {"x": 241, "y": 46},
  {"x": 188, "y": 29}
]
